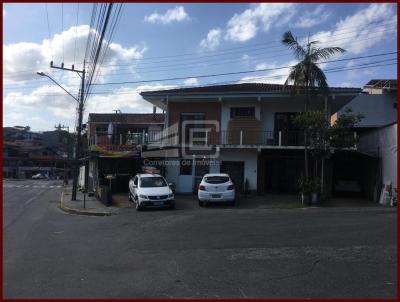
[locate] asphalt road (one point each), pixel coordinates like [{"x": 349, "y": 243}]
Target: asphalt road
[{"x": 216, "y": 252}]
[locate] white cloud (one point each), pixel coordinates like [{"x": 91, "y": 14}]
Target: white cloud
[
  {"x": 176, "y": 14},
  {"x": 244, "y": 26},
  {"x": 191, "y": 82},
  {"x": 354, "y": 35},
  {"x": 312, "y": 18},
  {"x": 276, "y": 76},
  {"x": 22, "y": 57},
  {"x": 347, "y": 84},
  {"x": 212, "y": 41},
  {"x": 61, "y": 105}
]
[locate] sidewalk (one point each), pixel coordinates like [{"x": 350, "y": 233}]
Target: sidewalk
[{"x": 92, "y": 207}]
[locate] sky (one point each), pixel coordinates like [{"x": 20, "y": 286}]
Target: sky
[{"x": 154, "y": 42}]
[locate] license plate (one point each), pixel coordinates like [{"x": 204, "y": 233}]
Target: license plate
[
  {"x": 216, "y": 195},
  {"x": 158, "y": 203}
]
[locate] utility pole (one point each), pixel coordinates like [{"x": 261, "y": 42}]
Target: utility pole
[
  {"x": 80, "y": 101},
  {"x": 59, "y": 127}
]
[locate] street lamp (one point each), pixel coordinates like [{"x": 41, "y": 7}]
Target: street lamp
[
  {"x": 80, "y": 109},
  {"x": 42, "y": 74}
]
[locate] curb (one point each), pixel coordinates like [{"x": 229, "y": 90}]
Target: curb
[{"x": 69, "y": 210}]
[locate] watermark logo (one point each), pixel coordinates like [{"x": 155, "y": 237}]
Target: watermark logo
[{"x": 199, "y": 138}]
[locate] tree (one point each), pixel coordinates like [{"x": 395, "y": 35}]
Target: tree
[
  {"x": 341, "y": 134},
  {"x": 323, "y": 137},
  {"x": 306, "y": 76}
]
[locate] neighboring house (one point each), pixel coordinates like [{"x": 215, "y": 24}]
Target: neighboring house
[
  {"x": 114, "y": 144},
  {"x": 26, "y": 153},
  {"x": 245, "y": 130},
  {"x": 377, "y": 131}
]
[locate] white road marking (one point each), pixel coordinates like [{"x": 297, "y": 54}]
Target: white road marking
[{"x": 32, "y": 186}]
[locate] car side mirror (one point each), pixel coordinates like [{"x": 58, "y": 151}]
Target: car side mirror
[{"x": 172, "y": 186}]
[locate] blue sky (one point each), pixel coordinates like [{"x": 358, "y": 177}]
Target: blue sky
[{"x": 202, "y": 38}]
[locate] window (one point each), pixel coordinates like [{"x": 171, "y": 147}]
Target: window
[
  {"x": 242, "y": 111},
  {"x": 216, "y": 180},
  {"x": 101, "y": 128},
  {"x": 285, "y": 121},
  {"x": 152, "y": 182},
  {"x": 186, "y": 167}
]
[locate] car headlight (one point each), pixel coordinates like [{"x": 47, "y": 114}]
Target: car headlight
[
  {"x": 143, "y": 196},
  {"x": 170, "y": 195}
]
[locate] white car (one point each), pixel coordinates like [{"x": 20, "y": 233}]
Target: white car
[
  {"x": 150, "y": 190},
  {"x": 38, "y": 176},
  {"x": 216, "y": 187}
]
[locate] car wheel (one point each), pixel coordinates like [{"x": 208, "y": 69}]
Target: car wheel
[
  {"x": 137, "y": 206},
  {"x": 130, "y": 197},
  {"x": 172, "y": 206},
  {"x": 233, "y": 203},
  {"x": 201, "y": 204}
]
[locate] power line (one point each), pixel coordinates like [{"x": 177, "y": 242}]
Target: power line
[
  {"x": 148, "y": 69},
  {"x": 274, "y": 68},
  {"x": 326, "y": 70},
  {"x": 357, "y": 67},
  {"x": 62, "y": 27},
  {"x": 76, "y": 29},
  {"x": 211, "y": 75},
  {"x": 223, "y": 51},
  {"x": 98, "y": 48},
  {"x": 48, "y": 30},
  {"x": 114, "y": 22}
]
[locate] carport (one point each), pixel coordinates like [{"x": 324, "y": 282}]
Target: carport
[{"x": 355, "y": 174}]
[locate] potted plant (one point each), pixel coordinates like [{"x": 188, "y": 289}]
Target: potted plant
[
  {"x": 305, "y": 189},
  {"x": 315, "y": 190}
]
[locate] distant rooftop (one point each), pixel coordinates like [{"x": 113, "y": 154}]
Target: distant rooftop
[
  {"x": 382, "y": 83},
  {"x": 129, "y": 118}
]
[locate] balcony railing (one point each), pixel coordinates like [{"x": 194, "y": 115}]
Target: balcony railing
[{"x": 284, "y": 138}]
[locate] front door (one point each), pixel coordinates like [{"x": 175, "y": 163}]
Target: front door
[{"x": 235, "y": 169}]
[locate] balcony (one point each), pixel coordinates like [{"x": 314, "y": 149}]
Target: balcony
[{"x": 233, "y": 138}]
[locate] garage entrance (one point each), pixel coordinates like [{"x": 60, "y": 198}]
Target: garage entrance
[
  {"x": 280, "y": 170},
  {"x": 236, "y": 171},
  {"x": 355, "y": 175}
]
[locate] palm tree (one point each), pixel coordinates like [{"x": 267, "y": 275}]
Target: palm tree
[{"x": 306, "y": 75}]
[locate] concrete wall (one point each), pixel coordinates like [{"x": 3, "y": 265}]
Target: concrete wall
[
  {"x": 184, "y": 183},
  {"x": 382, "y": 142},
  {"x": 378, "y": 109}
]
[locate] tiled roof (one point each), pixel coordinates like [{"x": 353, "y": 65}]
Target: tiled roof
[
  {"x": 130, "y": 118},
  {"x": 246, "y": 87},
  {"x": 382, "y": 83}
]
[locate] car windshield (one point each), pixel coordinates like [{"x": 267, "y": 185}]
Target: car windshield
[
  {"x": 216, "y": 179},
  {"x": 151, "y": 182}
]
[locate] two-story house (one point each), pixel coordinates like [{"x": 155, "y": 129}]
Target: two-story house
[
  {"x": 245, "y": 130},
  {"x": 115, "y": 141}
]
